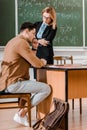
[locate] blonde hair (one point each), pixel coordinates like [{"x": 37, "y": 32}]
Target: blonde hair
[{"x": 52, "y": 13}]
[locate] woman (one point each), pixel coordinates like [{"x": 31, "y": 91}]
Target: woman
[{"x": 45, "y": 33}]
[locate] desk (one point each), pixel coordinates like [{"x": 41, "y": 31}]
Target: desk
[{"x": 67, "y": 82}]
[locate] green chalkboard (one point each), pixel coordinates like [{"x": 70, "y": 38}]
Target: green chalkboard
[
  {"x": 69, "y": 18},
  {"x": 7, "y": 21}
]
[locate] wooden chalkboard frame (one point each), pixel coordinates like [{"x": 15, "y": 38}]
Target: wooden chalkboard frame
[{"x": 85, "y": 30}]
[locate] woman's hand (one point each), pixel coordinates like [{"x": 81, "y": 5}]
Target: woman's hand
[{"x": 43, "y": 42}]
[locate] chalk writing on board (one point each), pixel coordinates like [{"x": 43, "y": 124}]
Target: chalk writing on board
[{"x": 69, "y": 18}]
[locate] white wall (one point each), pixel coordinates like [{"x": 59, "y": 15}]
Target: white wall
[{"x": 79, "y": 54}]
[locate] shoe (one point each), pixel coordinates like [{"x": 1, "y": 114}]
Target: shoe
[{"x": 21, "y": 120}]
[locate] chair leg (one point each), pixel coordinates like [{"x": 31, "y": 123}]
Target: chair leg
[
  {"x": 21, "y": 102},
  {"x": 73, "y": 104},
  {"x": 29, "y": 110},
  {"x": 38, "y": 116},
  {"x": 80, "y": 102}
]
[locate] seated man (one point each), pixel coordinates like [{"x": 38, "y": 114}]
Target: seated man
[{"x": 15, "y": 78}]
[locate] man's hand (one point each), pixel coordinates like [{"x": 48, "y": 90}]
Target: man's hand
[
  {"x": 44, "y": 61},
  {"x": 35, "y": 44}
]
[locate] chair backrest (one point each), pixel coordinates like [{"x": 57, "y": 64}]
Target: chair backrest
[{"x": 64, "y": 59}]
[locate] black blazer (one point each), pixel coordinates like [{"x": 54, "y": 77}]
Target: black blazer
[{"x": 46, "y": 52}]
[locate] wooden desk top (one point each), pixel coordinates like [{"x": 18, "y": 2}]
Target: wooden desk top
[{"x": 66, "y": 67}]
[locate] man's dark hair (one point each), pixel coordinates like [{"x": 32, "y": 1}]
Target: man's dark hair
[{"x": 26, "y": 25}]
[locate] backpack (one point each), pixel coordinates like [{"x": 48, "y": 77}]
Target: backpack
[{"x": 53, "y": 120}]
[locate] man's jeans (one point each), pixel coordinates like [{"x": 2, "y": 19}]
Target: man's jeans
[{"x": 38, "y": 90}]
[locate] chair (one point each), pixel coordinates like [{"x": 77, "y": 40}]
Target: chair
[
  {"x": 16, "y": 104},
  {"x": 64, "y": 60}
]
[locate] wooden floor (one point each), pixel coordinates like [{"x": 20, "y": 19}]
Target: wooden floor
[{"x": 76, "y": 121}]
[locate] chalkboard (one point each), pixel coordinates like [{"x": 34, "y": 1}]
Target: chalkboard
[
  {"x": 69, "y": 18},
  {"x": 7, "y": 21}
]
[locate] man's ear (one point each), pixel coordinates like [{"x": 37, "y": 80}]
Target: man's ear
[{"x": 27, "y": 30}]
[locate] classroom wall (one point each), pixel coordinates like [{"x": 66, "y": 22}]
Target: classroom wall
[{"x": 79, "y": 56}]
